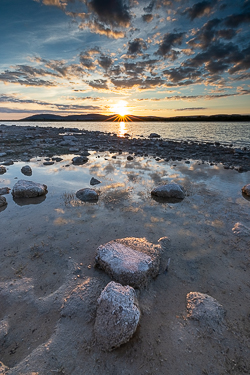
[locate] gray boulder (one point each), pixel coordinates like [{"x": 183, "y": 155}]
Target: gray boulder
[
  {"x": 154, "y": 135},
  {"x": 117, "y": 316},
  {"x": 246, "y": 190},
  {"x": 28, "y": 189},
  {"x": 86, "y": 195},
  {"x": 2, "y": 201},
  {"x": 26, "y": 170},
  {"x": 204, "y": 308},
  {"x": 2, "y": 169},
  {"x": 171, "y": 190},
  {"x": 129, "y": 261}
]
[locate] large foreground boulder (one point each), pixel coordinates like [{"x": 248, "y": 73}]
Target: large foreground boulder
[
  {"x": 87, "y": 195},
  {"x": 204, "y": 308},
  {"x": 171, "y": 190},
  {"x": 28, "y": 189},
  {"x": 130, "y": 261},
  {"x": 246, "y": 190},
  {"x": 117, "y": 316}
]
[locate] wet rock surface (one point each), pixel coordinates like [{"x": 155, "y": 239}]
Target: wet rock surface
[
  {"x": 28, "y": 189},
  {"x": 117, "y": 316},
  {"x": 26, "y": 170},
  {"x": 87, "y": 195},
  {"x": 129, "y": 261},
  {"x": 246, "y": 190},
  {"x": 2, "y": 201},
  {"x": 56, "y": 143},
  {"x": 4, "y": 190},
  {"x": 171, "y": 190},
  {"x": 2, "y": 169}
]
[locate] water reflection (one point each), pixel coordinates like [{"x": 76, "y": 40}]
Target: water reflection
[
  {"x": 28, "y": 201},
  {"x": 122, "y": 129}
]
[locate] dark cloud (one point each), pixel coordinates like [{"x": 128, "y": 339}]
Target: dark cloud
[
  {"x": 147, "y": 17},
  {"x": 169, "y": 40},
  {"x": 111, "y": 12},
  {"x": 149, "y": 8},
  {"x": 236, "y": 19},
  {"x": 136, "y": 46},
  {"x": 199, "y": 9},
  {"x": 141, "y": 83},
  {"x": 105, "y": 62},
  {"x": 191, "y": 109},
  {"x": 98, "y": 84},
  {"x": 205, "y": 35}
]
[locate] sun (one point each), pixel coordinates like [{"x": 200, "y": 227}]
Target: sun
[{"x": 121, "y": 108}]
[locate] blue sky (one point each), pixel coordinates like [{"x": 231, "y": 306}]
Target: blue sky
[{"x": 163, "y": 58}]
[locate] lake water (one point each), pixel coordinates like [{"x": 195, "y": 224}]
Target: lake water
[{"x": 236, "y": 133}]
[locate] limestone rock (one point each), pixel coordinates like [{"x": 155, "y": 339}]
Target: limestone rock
[
  {"x": 87, "y": 195},
  {"x": 246, "y": 189},
  {"x": 2, "y": 201},
  {"x": 26, "y": 170},
  {"x": 2, "y": 169},
  {"x": 79, "y": 160},
  {"x": 171, "y": 190},
  {"x": 117, "y": 316},
  {"x": 28, "y": 189},
  {"x": 129, "y": 261},
  {"x": 204, "y": 308}
]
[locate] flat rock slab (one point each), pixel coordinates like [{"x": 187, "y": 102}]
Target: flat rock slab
[
  {"x": 171, "y": 190},
  {"x": 117, "y": 316},
  {"x": 87, "y": 195},
  {"x": 130, "y": 261},
  {"x": 28, "y": 189},
  {"x": 246, "y": 190},
  {"x": 204, "y": 308}
]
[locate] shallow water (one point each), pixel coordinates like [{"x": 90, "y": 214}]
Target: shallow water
[
  {"x": 42, "y": 238},
  {"x": 237, "y": 133}
]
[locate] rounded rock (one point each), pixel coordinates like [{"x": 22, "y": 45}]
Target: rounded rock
[
  {"x": 246, "y": 189},
  {"x": 86, "y": 195}
]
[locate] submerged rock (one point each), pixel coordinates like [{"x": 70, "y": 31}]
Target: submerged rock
[
  {"x": 28, "y": 189},
  {"x": 87, "y": 195},
  {"x": 4, "y": 190},
  {"x": 2, "y": 169},
  {"x": 94, "y": 181},
  {"x": 246, "y": 189},
  {"x": 117, "y": 316},
  {"x": 171, "y": 190},
  {"x": 130, "y": 261},
  {"x": 204, "y": 308},
  {"x": 79, "y": 160},
  {"x": 3, "y": 201},
  {"x": 26, "y": 170}
]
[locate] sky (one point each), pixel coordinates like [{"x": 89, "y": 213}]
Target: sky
[{"x": 152, "y": 58}]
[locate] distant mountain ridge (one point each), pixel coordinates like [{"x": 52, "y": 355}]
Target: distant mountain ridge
[{"x": 98, "y": 117}]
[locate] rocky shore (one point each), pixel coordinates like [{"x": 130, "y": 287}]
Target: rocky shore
[{"x": 25, "y": 142}]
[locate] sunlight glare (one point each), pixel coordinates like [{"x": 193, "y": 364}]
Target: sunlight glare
[
  {"x": 122, "y": 129},
  {"x": 121, "y": 108}
]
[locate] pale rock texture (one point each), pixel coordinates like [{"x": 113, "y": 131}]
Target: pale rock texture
[
  {"x": 117, "y": 316},
  {"x": 204, "y": 308},
  {"x": 246, "y": 189},
  {"x": 87, "y": 195},
  {"x": 129, "y": 261},
  {"x": 171, "y": 190},
  {"x": 28, "y": 189}
]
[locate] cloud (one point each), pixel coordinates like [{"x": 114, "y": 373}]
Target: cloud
[
  {"x": 111, "y": 12},
  {"x": 236, "y": 19},
  {"x": 147, "y": 17},
  {"x": 136, "y": 46},
  {"x": 191, "y": 109},
  {"x": 199, "y": 9},
  {"x": 105, "y": 62},
  {"x": 98, "y": 84},
  {"x": 149, "y": 8},
  {"x": 169, "y": 40}
]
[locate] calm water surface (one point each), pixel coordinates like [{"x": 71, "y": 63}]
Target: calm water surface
[{"x": 237, "y": 133}]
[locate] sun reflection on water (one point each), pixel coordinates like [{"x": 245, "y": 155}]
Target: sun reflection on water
[{"x": 122, "y": 129}]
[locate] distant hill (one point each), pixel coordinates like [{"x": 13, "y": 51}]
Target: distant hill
[{"x": 98, "y": 117}]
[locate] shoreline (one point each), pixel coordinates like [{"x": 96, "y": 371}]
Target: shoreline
[{"x": 21, "y": 143}]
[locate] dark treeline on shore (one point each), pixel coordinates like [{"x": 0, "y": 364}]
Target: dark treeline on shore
[{"x": 98, "y": 117}]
